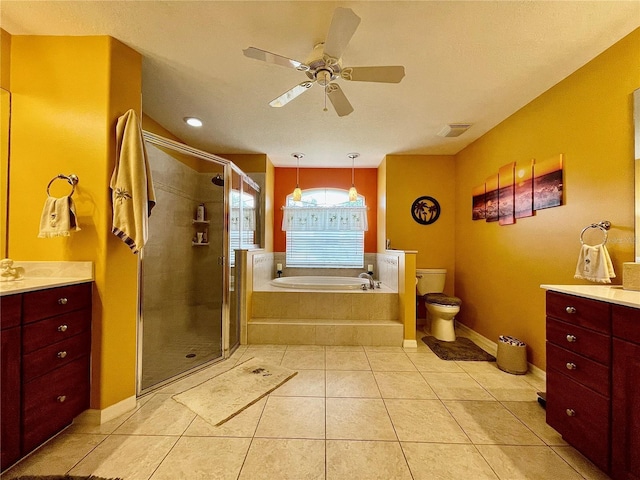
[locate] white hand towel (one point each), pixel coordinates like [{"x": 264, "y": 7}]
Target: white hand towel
[
  {"x": 58, "y": 218},
  {"x": 594, "y": 264},
  {"x": 133, "y": 196}
]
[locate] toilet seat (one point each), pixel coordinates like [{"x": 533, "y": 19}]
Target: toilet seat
[{"x": 442, "y": 299}]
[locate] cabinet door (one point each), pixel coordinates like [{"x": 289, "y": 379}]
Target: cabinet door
[
  {"x": 626, "y": 410},
  {"x": 10, "y": 397}
]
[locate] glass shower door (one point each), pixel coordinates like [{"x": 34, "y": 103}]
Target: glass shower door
[{"x": 182, "y": 268}]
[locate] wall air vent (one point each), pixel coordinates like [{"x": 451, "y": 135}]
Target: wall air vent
[{"x": 454, "y": 129}]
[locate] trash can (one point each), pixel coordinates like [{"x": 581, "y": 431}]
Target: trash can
[{"x": 512, "y": 355}]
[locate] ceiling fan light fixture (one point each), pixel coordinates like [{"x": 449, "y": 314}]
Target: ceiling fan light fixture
[
  {"x": 297, "y": 192},
  {"x": 324, "y": 65},
  {"x": 193, "y": 121}
]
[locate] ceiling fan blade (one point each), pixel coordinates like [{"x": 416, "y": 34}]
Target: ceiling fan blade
[
  {"x": 343, "y": 26},
  {"x": 289, "y": 95},
  {"x": 269, "y": 57},
  {"x": 389, "y": 74},
  {"x": 338, "y": 100}
]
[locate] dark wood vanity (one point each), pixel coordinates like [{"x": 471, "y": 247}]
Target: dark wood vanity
[
  {"x": 593, "y": 379},
  {"x": 46, "y": 343}
]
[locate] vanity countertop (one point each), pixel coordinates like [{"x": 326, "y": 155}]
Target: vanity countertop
[
  {"x": 604, "y": 293},
  {"x": 42, "y": 275}
]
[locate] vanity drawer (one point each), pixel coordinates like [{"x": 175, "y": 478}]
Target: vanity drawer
[
  {"x": 581, "y": 416},
  {"x": 593, "y": 345},
  {"x": 580, "y": 311},
  {"x": 55, "y": 301},
  {"x": 39, "y": 362},
  {"x": 584, "y": 371},
  {"x": 52, "y": 401},
  {"x": 626, "y": 323},
  {"x": 46, "y": 332},
  {"x": 10, "y": 311}
]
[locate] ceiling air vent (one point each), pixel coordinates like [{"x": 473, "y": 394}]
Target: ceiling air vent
[{"x": 454, "y": 129}]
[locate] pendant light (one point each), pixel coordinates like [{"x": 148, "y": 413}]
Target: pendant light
[
  {"x": 353, "y": 193},
  {"x": 297, "y": 193}
]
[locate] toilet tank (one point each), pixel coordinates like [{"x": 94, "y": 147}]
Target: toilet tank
[{"x": 431, "y": 280}]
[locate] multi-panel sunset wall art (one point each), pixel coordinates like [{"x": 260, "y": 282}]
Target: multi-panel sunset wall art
[{"x": 518, "y": 190}]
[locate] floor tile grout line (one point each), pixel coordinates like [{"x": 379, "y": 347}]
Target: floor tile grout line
[
  {"x": 253, "y": 437},
  {"x": 164, "y": 458},
  {"x": 326, "y": 461},
  {"x": 81, "y": 459}
]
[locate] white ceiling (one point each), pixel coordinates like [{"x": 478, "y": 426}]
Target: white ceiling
[{"x": 466, "y": 61}]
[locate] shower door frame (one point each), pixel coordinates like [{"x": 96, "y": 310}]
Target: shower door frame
[{"x": 228, "y": 166}]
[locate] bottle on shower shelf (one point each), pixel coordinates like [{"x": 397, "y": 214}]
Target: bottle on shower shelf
[{"x": 200, "y": 213}]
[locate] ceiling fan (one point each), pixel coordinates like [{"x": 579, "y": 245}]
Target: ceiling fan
[{"x": 324, "y": 65}]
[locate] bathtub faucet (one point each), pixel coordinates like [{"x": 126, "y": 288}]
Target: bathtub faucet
[{"x": 368, "y": 277}]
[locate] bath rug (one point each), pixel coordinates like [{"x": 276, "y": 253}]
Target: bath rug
[
  {"x": 225, "y": 396},
  {"x": 61, "y": 477},
  {"x": 461, "y": 349}
]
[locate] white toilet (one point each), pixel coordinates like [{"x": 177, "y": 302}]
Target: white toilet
[{"x": 441, "y": 309}]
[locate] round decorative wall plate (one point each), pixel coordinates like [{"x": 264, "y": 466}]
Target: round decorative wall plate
[{"x": 425, "y": 210}]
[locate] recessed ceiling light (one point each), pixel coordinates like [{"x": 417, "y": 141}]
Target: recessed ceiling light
[{"x": 193, "y": 121}]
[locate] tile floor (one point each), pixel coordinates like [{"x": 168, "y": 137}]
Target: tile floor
[{"x": 351, "y": 413}]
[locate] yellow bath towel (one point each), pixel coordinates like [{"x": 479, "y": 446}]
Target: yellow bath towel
[
  {"x": 131, "y": 184},
  {"x": 58, "y": 218}
]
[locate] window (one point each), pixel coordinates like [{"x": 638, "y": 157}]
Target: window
[
  {"x": 242, "y": 222},
  {"x": 324, "y": 229}
]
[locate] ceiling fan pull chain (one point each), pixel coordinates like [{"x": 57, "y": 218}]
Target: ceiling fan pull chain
[{"x": 325, "y": 98}]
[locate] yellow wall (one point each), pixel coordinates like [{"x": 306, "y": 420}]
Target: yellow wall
[
  {"x": 407, "y": 178},
  {"x": 382, "y": 206},
  {"x": 269, "y": 209},
  {"x": 588, "y": 118},
  {"x": 250, "y": 162},
  {"x": 67, "y": 93},
  {"x": 5, "y": 113},
  {"x": 5, "y": 59}
]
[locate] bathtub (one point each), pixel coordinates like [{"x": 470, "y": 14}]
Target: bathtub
[{"x": 320, "y": 283}]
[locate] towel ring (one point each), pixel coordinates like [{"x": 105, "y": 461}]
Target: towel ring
[
  {"x": 72, "y": 179},
  {"x": 604, "y": 226}
]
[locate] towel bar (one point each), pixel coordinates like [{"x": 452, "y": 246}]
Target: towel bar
[
  {"x": 72, "y": 179},
  {"x": 604, "y": 225}
]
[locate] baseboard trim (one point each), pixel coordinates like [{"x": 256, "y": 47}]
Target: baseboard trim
[
  {"x": 409, "y": 344},
  {"x": 492, "y": 348},
  {"x": 98, "y": 417}
]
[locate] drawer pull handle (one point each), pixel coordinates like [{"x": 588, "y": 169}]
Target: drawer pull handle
[
  {"x": 570, "y": 310},
  {"x": 571, "y": 412},
  {"x": 61, "y": 398},
  {"x": 571, "y": 366},
  {"x": 62, "y": 301},
  {"x": 571, "y": 338},
  {"x": 62, "y": 354},
  {"x": 62, "y": 328}
]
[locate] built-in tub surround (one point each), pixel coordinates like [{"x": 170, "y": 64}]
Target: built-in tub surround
[
  {"x": 322, "y": 283},
  {"x": 328, "y": 317},
  {"x": 41, "y": 275}
]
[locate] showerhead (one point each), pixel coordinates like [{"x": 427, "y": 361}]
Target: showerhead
[{"x": 218, "y": 180}]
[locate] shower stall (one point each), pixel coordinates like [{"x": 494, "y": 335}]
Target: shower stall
[{"x": 206, "y": 209}]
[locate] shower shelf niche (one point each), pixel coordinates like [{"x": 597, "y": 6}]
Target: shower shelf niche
[{"x": 201, "y": 226}]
